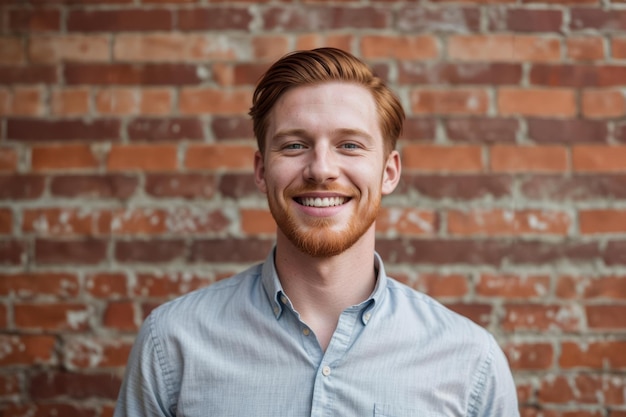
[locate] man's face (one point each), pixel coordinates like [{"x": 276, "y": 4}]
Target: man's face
[{"x": 324, "y": 169}]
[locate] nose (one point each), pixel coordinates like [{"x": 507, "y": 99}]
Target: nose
[{"x": 322, "y": 165}]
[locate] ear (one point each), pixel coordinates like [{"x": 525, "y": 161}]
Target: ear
[
  {"x": 392, "y": 172},
  {"x": 259, "y": 172}
]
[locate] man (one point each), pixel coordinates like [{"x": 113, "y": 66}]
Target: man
[{"x": 318, "y": 329}]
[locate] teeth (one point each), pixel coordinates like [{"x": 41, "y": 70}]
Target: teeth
[{"x": 323, "y": 202}]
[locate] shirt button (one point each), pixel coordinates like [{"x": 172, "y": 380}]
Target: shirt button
[
  {"x": 283, "y": 299},
  {"x": 367, "y": 317},
  {"x": 306, "y": 331},
  {"x": 326, "y": 370},
  {"x": 276, "y": 310}
]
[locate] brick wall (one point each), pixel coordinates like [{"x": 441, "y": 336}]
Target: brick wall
[{"x": 126, "y": 160}]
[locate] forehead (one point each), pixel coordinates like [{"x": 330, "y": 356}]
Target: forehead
[{"x": 325, "y": 106}]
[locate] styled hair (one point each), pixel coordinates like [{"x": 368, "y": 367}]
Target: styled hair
[{"x": 321, "y": 65}]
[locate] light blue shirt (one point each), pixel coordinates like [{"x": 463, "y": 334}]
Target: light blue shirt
[{"x": 238, "y": 348}]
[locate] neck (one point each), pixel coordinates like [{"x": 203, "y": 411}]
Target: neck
[{"x": 322, "y": 288}]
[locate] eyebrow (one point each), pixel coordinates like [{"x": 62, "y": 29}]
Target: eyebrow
[{"x": 302, "y": 133}]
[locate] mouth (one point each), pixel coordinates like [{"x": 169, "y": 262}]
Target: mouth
[{"x": 321, "y": 201}]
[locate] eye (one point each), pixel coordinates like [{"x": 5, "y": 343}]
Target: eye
[
  {"x": 294, "y": 146},
  {"x": 350, "y": 145}
]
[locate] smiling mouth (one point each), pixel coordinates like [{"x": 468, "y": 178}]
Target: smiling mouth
[{"x": 321, "y": 202}]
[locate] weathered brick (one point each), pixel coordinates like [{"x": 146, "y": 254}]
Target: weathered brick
[
  {"x": 574, "y": 188},
  {"x": 63, "y": 129},
  {"x": 54, "y": 384},
  {"x": 142, "y": 157},
  {"x": 8, "y": 160},
  {"x": 106, "y": 285},
  {"x": 618, "y": 47},
  {"x": 120, "y": 20},
  {"x": 497, "y": 222},
  {"x": 593, "y": 354},
  {"x": 577, "y": 75},
  {"x": 32, "y": 21},
  {"x": 156, "y": 101},
  {"x": 215, "y": 18},
  {"x": 529, "y": 356},
  {"x": 115, "y": 186},
  {"x": 607, "y": 287},
  {"x": 174, "y": 74},
  {"x": 456, "y": 186},
  {"x": 92, "y": 352},
  {"x": 317, "y": 40},
  {"x": 227, "y": 250},
  {"x": 514, "y": 48},
  {"x": 165, "y": 129},
  {"x": 34, "y": 284},
  {"x": 188, "y": 186},
  {"x": 555, "y": 390},
  {"x": 586, "y": 48},
  {"x": 536, "y": 102},
  {"x": 603, "y": 103},
  {"x": 418, "y": 128},
  {"x": 596, "y": 18},
  {"x": 609, "y": 317},
  {"x": 150, "y": 251},
  {"x": 214, "y": 101},
  {"x": 460, "y": 101},
  {"x": 11, "y": 51},
  {"x": 116, "y": 101},
  {"x": 399, "y": 47},
  {"x": 6, "y": 221},
  {"x": 593, "y": 221},
  {"x": 313, "y": 18},
  {"x": 40, "y": 74},
  {"x": 232, "y": 127},
  {"x": 440, "y": 286},
  {"x": 75, "y": 251},
  {"x": 533, "y": 20},
  {"x": 444, "y": 19},
  {"x": 173, "y": 47},
  {"x": 21, "y": 186},
  {"x": 567, "y": 130},
  {"x": 74, "y": 48},
  {"x": 28, "y": 350},
  {"x": 52, "y": 316},
  {"x": 460, "y": 158},
  {"x": 168, "y": 284},
  {"x": 12, "y": 252},
  {"x": 513, "y": 286},
  {"x": 481, "y": 129},
  {"x": 247, "y": 73},
  {"x": 220, "y": 156},
  {"x": 519, "y": 317},
  {"x": 512, "y": 158},
  {"x": 538, "y": 252},
  {"x": 65, "y": 157},
  {"x": 70, "y": 102},
  {"x": 120, "y": 315},
  {"x": 411, "y": 72},
  {"x": 237, "y": 185},
  {"x": 406, "y": 221},
  {"x": 598, "y": 158},
  {"x": 26, "y": 101},
  {"x": 478, "y": 313}
]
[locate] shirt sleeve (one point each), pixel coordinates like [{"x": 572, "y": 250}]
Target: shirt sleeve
[
  {"x": 496, "y": 393},
  {"x": 144, "y": 389}
]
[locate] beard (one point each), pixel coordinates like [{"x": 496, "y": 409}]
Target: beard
[{"x": 323, "y": 237}]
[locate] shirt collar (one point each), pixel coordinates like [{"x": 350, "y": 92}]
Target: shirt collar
[{"x": 277, "y": 297}]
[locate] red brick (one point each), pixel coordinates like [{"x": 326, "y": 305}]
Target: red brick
[
  {"x": 220, "y": 156},
  {"x": 61, "y": 130},
  {"x": 165, "y": 129},
  {"x": 168, "y": 285},
  {"x": 65, "y": 221},
  {"x": 155, "y": 101},
  {"x": 142, "y": 157},
  {"x": 9, "y": 385},
  {"x": 12, "y": 252},
  {"x": 214, "y": 101},
  {"x": 171, "y": 47},
  {"x": 188, "y": 186},
  {"x": 462, "y": 187},
  {"x": 577, "y": 75},
  {"x": 536, "y": 102},
  {"x": 215, "y": 18},
  {"x": 412, "y": 72},
  {"x": 597, "y": 18},
  {"x": 65, "y": 157},
  {"x": 232, "y": 127},
  {"x": 439, "y": 286},
  {"x": 156, "y": 221},
  {"x": 618, "y": 47},
  {"x": 603, "y": 103},
  {"x": 27, "y": 350},
  {"x": 537, "y": 317},
  {"x": 437, "y": 19},
  {"x": 478, "y": 313},
  {"x": 227, "y": 250},
  {"x": 55, "y": 317},
  {"x": 70, "y": 102},
  {"x": 35, "y": 409},
  {"x": 615, "y": 253},
  {"x": 481, "y": 129},
  {"x": 567, "y": 287},
  {"x": 442, "y": 158},
  {"x": 529, "y": 356},
  {"x": 32, "y": 21},
  {"x": 516, "y": 48},
  {"x": 30, "y": 285},
  {"x": 497, "y": 222},
  {"x": 533, "y": 20},
  {"x": 317, "y": 40},
  {"x": 8, "y": 160},
  {"x": 96, "y": 186},
  {"x": 257, "y": 222},
  {"x": 6, "y": 97},
  {"x": 120, "y": 315},
  {"x": 399, "y": 47},
  {"x": 11, "y": 51},
  {"x": 450, "y": 101},
  {"x": 149, "y": 251},
  {"x": 312, "y": 18},
  {"x": 21, "y": 187},
  {"x": 609, "y": 287},
  {"x": 120, "y": 20},
  {"x": 597, "y": 158},
  {"x": 17, "y": 74},
  {"x": 418, "y": 128},
  {"x": 574, "y": 188},
  {"x": 556, "y": 390},
  {"x": 606, "y": 316},
  {"x": 602, "y": 221},
  {"x": 406, "y": 221},
  {"x": 593, "y": 354},
  {"x": 75, "y": 251},
  {"x": 131, "y": 74},
  {"x": 117, "y": 101},
  {"x": 26, "y": 101},
  {"x": 106, "y": 285},
  {"x": 513, "y": 286},
  {"x": 77, "y": 386},
  {"x": 512, "y": 158},
  {"x": 61, "y": 48},
  {"x": 567, "y": 130},
  {"x": 591, "y": 387},
  {"x": 585, "y": 48},
  {"x": 6, "y": 221},
  {"x": 92, "y": 352}
]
